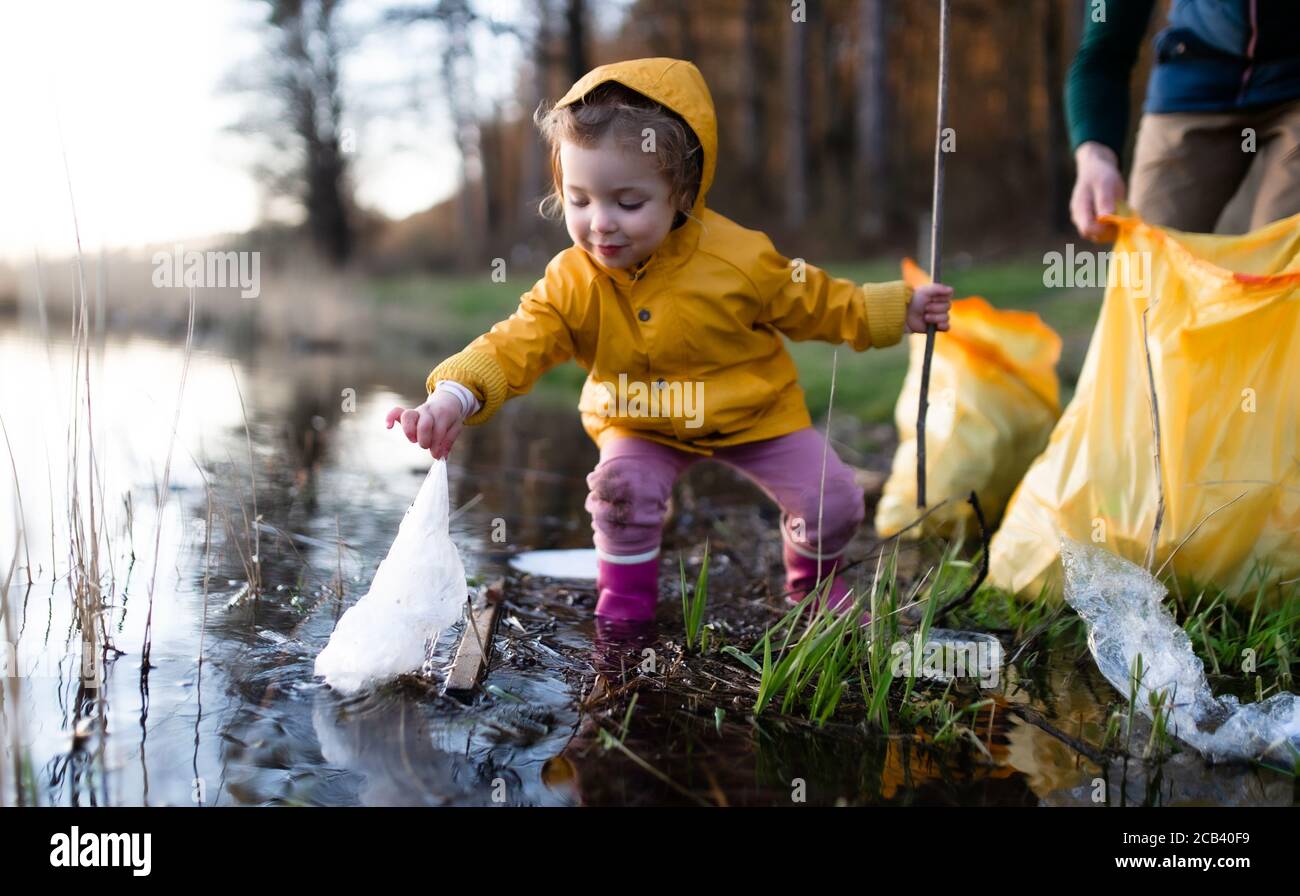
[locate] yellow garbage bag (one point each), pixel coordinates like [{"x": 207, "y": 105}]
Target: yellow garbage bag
[
  {"x": 1224, "y": 339},
  {"x": 994, "y": 398}
]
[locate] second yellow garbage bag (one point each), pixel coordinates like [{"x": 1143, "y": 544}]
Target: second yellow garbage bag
[
  {"x": 994, "y": 398},
  {"x": 1224, "y": 339}
]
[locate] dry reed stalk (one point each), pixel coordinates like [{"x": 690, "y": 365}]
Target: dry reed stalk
[{"x": 162, "y": 492}]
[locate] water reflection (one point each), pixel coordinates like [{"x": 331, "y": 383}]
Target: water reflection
[{"x": 315, "y": 508}]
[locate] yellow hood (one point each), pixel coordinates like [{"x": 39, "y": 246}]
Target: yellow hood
[{"x": 674, "y": 83}]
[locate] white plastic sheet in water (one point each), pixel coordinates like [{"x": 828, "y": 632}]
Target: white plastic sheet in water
[
  {"x": 418, "y": 590},
  {"x": 577, "y": 563},
  {"x": 1121, "y": 604}
]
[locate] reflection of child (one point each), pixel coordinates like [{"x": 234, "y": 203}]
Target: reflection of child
[{"x": 662, "y": 293}]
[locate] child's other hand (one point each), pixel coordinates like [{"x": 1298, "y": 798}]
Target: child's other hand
[
  {"x": 930, "y": 304},
  {"x": 433, "y": 425}
]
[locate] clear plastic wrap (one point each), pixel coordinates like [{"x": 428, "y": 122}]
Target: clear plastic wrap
[{"x": 1121, "y": 604}]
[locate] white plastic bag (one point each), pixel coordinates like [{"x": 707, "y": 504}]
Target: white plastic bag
[
  {"x": 418, "y": 590},
  {"x": 1121, "y": 604}
]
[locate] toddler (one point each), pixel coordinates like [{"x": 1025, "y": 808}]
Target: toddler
[{"x": 677, "y": 313}]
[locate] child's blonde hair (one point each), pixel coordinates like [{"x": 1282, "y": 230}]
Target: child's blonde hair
[{"x": 611, "y": 108}]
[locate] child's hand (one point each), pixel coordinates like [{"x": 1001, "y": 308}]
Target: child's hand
[
  {"x": 930, "y": 304},
  {"x": 433, "y": 425}
]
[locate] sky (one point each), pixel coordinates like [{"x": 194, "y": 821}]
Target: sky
[{"x": 131, "y": 93}]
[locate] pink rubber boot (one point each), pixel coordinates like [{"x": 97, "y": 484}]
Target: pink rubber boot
[
  {"x": 801, "y": 577},
  {"x": 628, "y": 592}
]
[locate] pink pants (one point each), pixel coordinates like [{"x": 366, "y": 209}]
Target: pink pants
[{"x": 630, "y": 487}]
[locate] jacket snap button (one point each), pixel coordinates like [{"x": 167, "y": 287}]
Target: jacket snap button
[{"x": 644, "y": 314}]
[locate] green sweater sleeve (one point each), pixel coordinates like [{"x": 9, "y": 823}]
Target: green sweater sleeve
[{"x": 1097, "y": 88}]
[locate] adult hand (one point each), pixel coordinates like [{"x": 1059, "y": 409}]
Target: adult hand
[{"x": 1098, "y": 189}]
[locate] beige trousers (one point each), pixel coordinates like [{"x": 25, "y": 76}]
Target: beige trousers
[{"x": 1188, "y": 166}]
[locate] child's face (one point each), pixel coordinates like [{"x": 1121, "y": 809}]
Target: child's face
[{"x": 616, "y": 202}]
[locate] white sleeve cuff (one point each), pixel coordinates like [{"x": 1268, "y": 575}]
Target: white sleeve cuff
[{"x": 468, "y": 403}]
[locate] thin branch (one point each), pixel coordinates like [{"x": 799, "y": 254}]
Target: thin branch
[
  {"x": 1155, "y": 451},
  {"x": 162, "y": 493},
  {"x": 1081, "y": 747},
  {"x": 1194, "y": 530},
  {"x": 936, "y": 236}
]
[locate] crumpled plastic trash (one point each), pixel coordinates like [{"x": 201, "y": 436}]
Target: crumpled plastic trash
[
  {"x": 418, "y": 590},
  {"x": 1121, "y": 604}
]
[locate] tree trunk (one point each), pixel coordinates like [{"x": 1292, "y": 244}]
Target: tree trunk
[
  {"x": 576, "y": 19},
  {"x": 685, "y": 41},
  {"x": 874, "y": 193},
  {"x": 796, "y": 125},
  {"x": 752, "y": 142},
  {"x": 532, "y": 185},
  {"x": 458, "y": 78},
  {"x": 310, "y": 88},
  {"x": 1058, "y": 142}
]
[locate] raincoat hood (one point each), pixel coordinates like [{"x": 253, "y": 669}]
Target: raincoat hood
[{"x": 674, "y": 83}]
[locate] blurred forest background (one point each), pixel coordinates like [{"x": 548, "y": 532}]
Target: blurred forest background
[
  {"x": 826, "y": 120},
  {"x": 826, "y": 123}
]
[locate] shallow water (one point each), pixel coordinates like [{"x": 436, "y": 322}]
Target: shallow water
[{"x": 229, "y": 712}]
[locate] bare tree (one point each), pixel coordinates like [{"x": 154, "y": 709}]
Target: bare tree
[
  {"x": 874, "y": 189},
  {"x": 458, "y": 76},
  {"x": 685, "y": 40},
  {"x": 796, "y": 124},
  {"x": 535, "y": 90},
  {"x": 575, "y": 18},
  {"x": 754, "y": 64},
  {"x": 1056, "y": 34},
  {"x": 458, "y": 19},
  {"x": 302, "y": 124}
]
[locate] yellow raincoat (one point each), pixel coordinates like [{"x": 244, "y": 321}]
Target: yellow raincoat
[{"x": 704, "y": 314}]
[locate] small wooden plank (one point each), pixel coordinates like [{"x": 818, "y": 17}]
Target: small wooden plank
[{"x": 475, "y": 647}]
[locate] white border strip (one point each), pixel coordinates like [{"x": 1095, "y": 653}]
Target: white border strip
[{"x": 627, "y": 558}]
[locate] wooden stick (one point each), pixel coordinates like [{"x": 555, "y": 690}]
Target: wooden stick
[
  {"x": 1195, "y": 529},
  {"x": 1155, "y": 446},
  {"x": 475, "y": 646},
  {"x": 1080, "y": 746},
  {"x": 936, "y": 234}
]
